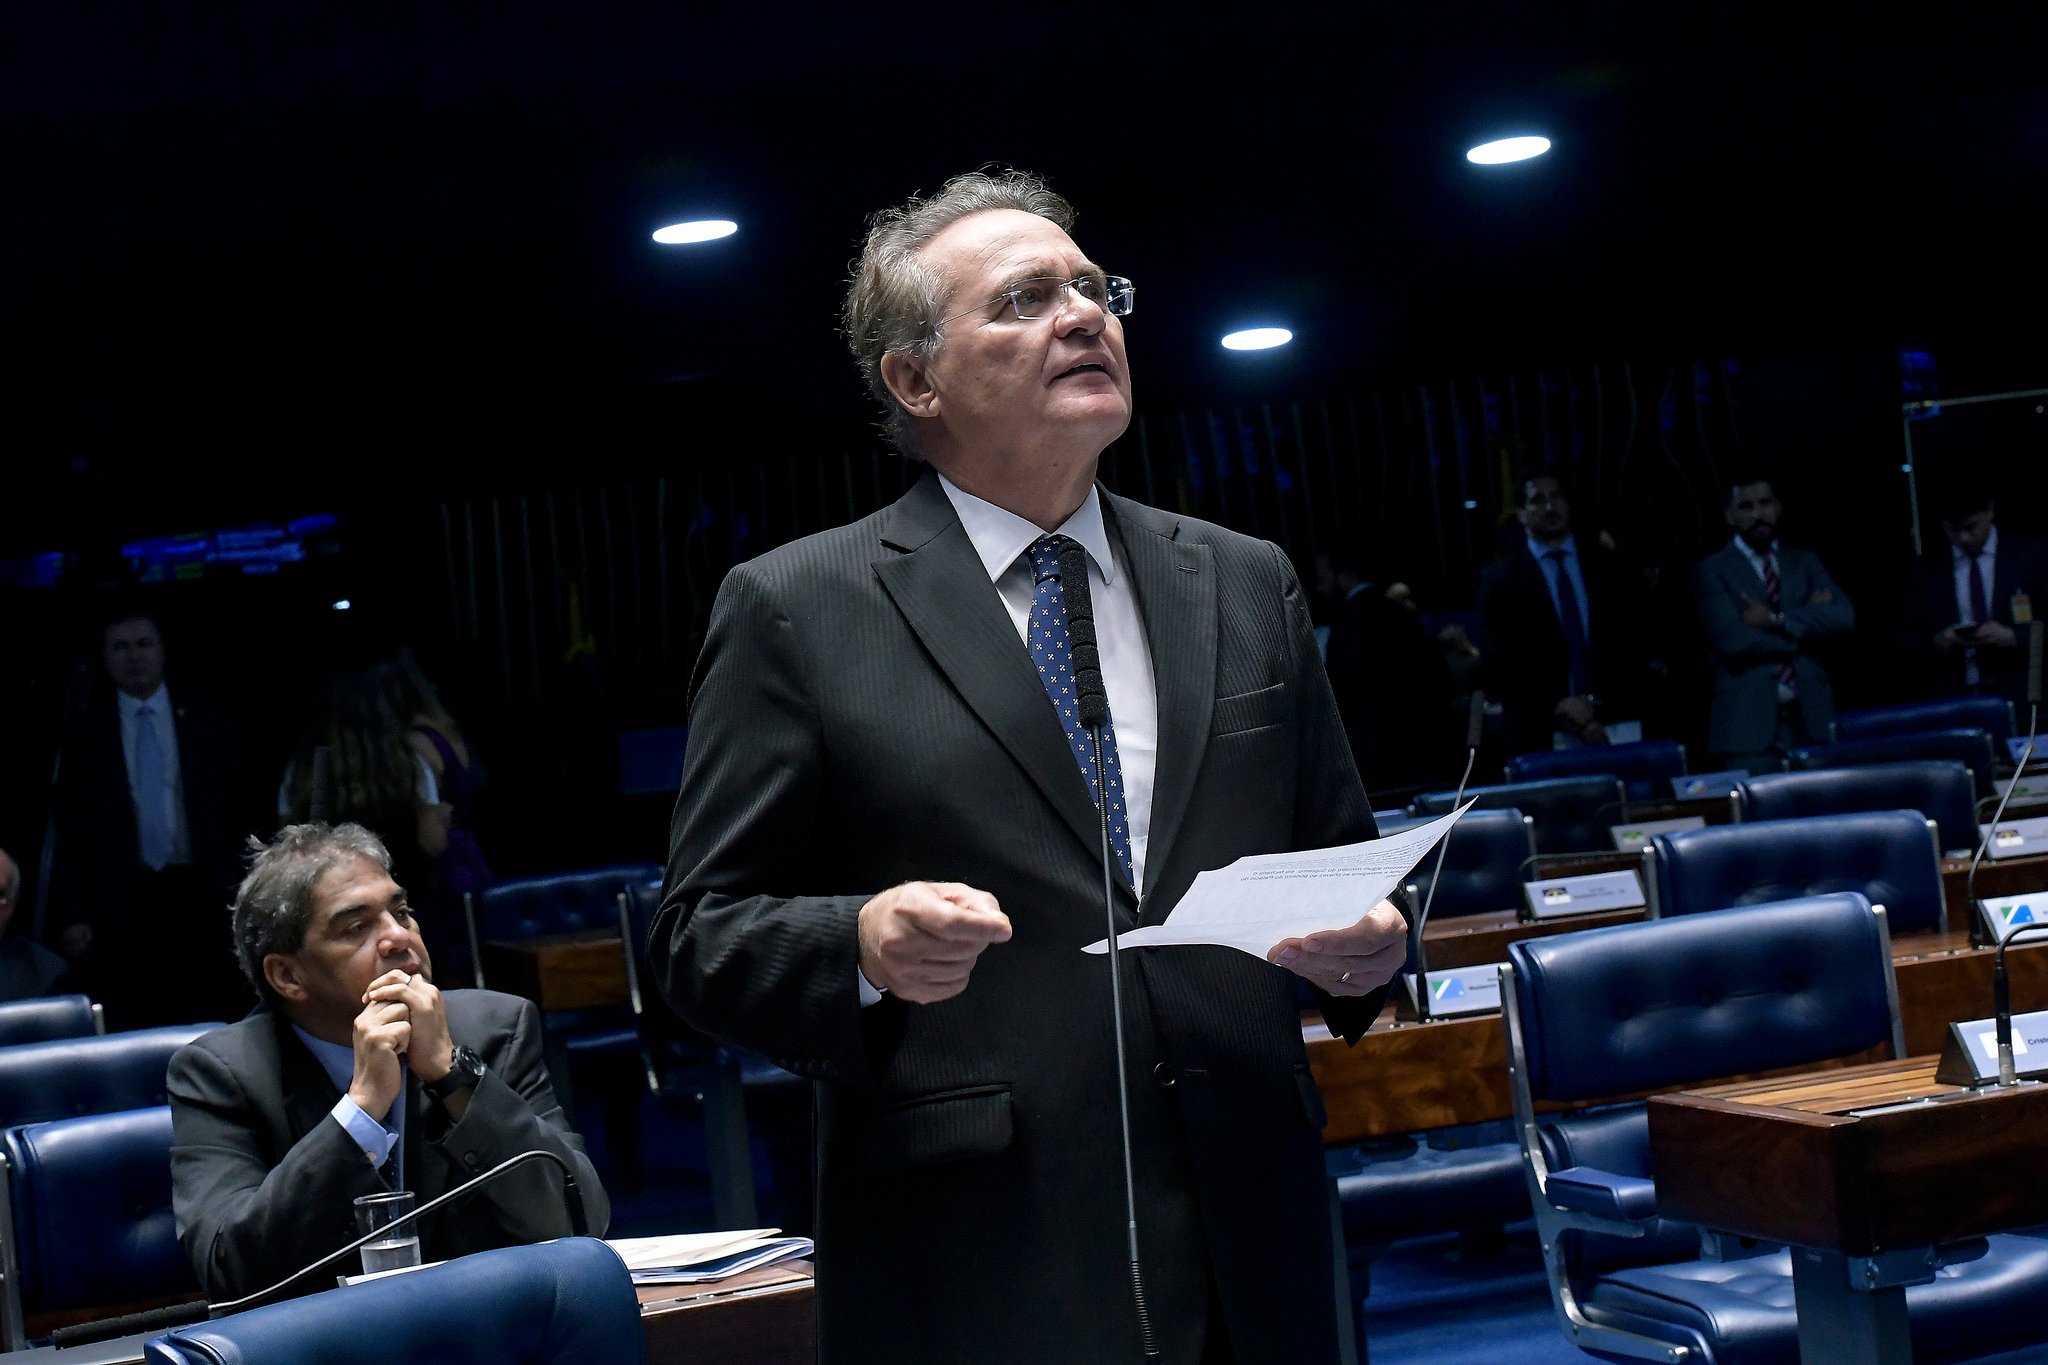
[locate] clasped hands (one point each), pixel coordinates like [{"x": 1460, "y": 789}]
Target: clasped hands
[
  {"x": 403, "y": 1026},
  {"x": 1756, "y": 614},
  {"x": 920, "y": 941}
]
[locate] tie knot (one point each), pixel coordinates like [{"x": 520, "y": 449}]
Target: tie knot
[
  {"x": 1045, "y": 555},
  {"x": 1557, "y": 554}
]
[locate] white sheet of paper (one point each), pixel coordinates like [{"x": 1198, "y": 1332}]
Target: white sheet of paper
[
  {"x": 687, "y": 1248},
  {"x": 1259, "y": 900}
]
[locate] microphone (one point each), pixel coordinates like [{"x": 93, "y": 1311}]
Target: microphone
[
  {"x": 2001, "y": 1001},
  {"x": 182, "y": 1314},
  {"x": 1475, "y": 725},
  {"x": 1092, "y": 701},
  {"x": 1977, "y": 929}
]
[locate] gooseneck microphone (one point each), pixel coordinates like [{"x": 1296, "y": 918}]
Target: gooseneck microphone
[
  {"x": 1977, "y": 929},
  {"x": 1475, "y": 725},
  {"x": 2001, "y": 1003},
  {"x": 1092, "y": 702},
  {"x": 180, "y": 1315}
]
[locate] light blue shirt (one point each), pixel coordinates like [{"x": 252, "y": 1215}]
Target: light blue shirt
[
  {"x": 1571, "y": 567},
  {"x": 372, "y": 1135}
]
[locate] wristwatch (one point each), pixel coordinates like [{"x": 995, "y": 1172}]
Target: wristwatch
[{"x": 465, "y": 1069}]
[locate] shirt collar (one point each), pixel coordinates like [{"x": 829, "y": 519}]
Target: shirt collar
[
  {"x": 1990, "y": 550},
  {"x": 1538, "y": 549},
  {"x": 158, "y": 701},
  {"x": 1751, "y": 555},
  {"x": 336, "y": 1059},
  {"x": 999, "y": 535}
]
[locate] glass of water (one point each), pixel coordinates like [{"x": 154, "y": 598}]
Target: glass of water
[{"x": 402, "y": 1248}]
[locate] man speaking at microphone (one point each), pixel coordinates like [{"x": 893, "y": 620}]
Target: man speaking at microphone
[
  {"x": 886, "y": 856},
  {"x": 356, "y": 1075}
]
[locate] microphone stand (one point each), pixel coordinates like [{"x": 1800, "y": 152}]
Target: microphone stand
[
  {"x": 183, "y": 1314},
  {"x": 1093, "y": 703},
  {"x": 1977, "y": 929},
  {"x": 1474, "y": 724},
  {"x": 2001, "y": 1004}
]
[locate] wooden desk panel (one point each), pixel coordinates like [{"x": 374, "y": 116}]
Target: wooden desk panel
[
  {"x": 1471, "y": 940},
  {"x": 560, "y": 971},
  {"x": 764, "y": 1317}
]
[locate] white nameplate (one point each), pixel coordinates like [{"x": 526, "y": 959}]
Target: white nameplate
[
  {"x": 1702, "y": 785},
  {"x": 2016, "y": 838},
  {"x": 2003, "y": 914},
  {"x": 1464, "y": 990},
  {"x": 1629, "y": 838},
  {"x": 1621, "y": 890},
  {"x": 2029, "y": 1044},
  {"x": 2028, "y": 789}
]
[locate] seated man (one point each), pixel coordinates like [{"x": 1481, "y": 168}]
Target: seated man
[
  {"x": 27, "y": 968},
  {"x": 356, "y": 1076}
]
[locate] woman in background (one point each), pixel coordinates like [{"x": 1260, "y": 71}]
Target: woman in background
[{"x": 458, "y": 774}]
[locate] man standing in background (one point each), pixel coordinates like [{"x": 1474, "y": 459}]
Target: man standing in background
[{"x": 1967, "y": 607}]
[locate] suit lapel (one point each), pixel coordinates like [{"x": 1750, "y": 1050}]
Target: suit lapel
[
  {"x": 309, "y": 1097},
  {"x": 929, "y": 568},
  {"x": 1175, "y": 586}
]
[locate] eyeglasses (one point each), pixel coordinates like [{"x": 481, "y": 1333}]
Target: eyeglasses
[{"x": 1043, "y": 296}]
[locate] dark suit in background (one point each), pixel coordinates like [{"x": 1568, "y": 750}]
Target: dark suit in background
[
  {"x": 264, "y": 1178},
  {"x": 161, "y": 951},
  {"x": 2019, "y": 566},
  {"x": 1524, "y": 662},
  {"x": 1748, "y": 726},
  {"x": 1393, "y": 691},
  {"x": 865, "y": 714}
]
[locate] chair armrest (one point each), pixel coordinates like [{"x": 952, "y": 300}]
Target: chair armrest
[{"x": 1623, "y": 1198}]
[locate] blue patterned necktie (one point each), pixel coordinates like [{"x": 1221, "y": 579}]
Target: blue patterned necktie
[
  {"x": 152, "y": 807},
  {"x": 1052, "y": 652}
]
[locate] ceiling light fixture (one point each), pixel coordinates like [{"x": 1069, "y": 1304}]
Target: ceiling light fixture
[
  {"x": 1503, "y": 150},
  {"x": 702, "y": 230},
  {"x": 1257, "y": 339}
]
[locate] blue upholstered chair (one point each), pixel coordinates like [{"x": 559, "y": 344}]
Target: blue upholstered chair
[
  {"x": 556, "y": 903},
  {"x": 1891, "y": 857},
  {"x": 1990, "y": 714},
  {"x": 49, "y": 1017},
  {"x": 1485, "y": 857},
  {"x": 1943, "y": 792},
  {"x": 1572, "y": 814},
  {"x": 1971, "y": 748},
  {"x": 733, "y": 1092},
  {"x": 1645, "y": 768},
  {"x": 93, "y": 1075},
  {"x": 87, "y": 1223},
  {"x": 1672, "y": 1003},
  {"x": 568, "y": 1302}
]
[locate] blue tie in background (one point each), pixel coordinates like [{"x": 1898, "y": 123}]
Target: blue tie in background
[
  {"x": 152, "y": 807},
  {"x": 1053, "y": 653},
  {"x": 1572, "y": 623}
]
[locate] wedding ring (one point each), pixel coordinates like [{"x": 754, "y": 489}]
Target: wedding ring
[{"x": 1344, "y": 978}]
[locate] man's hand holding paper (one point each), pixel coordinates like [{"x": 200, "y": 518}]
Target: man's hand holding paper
[{"x": 1299, "y": 910}]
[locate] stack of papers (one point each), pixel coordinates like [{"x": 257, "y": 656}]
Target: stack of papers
[{"x": 701, "y": 1257}]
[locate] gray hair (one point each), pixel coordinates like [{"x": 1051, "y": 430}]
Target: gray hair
[
  {"x": 894, "y": 299},
  {"x": 274, "y": 904}
]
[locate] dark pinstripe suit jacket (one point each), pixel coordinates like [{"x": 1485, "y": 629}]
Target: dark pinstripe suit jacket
[{"x": 863, "y": 714}]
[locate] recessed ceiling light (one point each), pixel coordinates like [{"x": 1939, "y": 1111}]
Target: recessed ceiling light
[
  {"x": 1257, "y": 339},
  {"x": 1507, "y": 149},
  {"x": 343, "y": 605},
  {"x": 703, "y": 230}
]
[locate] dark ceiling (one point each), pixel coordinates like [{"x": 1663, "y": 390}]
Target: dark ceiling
[{"x": 251, "y": 239}]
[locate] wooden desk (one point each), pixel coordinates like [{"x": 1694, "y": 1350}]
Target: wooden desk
[
  {"x": 560, "y": 971},
  {"x": 1471, "y": 940},
  {"x": 764, "y": 1317},
  {"x": 1862, "y": 1170}
]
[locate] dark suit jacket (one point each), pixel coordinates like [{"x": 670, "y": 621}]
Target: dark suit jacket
[
  {"x": 1746, "y": 658},
  {"x": 1523, "y": 662},
  {"x": 98, "y": 849},
  {"x": 1393, "y": 691},
  {"x": 1931, "y": 606},
  {"x": 864, "y": 714},
  {"x": 263, "y": 1178}
]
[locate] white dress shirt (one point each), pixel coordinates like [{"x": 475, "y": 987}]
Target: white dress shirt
[
  {"x": 1000, "y": 539},
  {"x": 165, "y": 721},
  {"x": 1988, "y": 567}
]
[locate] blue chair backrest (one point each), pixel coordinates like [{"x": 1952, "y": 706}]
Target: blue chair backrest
[
  {"x": 568, "y": 1302},
  {"x": 558, "y": 903},
  {"x": 1645, "y": 768},
  {"x": 1887, "y": 856},
  {"x": 1639, "y": 1007},
  {"x": 651, "y": 761},
  {"x": 1943, "y": 792},
  {"x": 1971, "y": 748},
  {"x": 97, "y": 1075},
  {"x": 46, "y": 1018},
  {"x": 1486, "y": 857},
  {"x": 1990, "y": 714},
  {"x": 1572, "y": 814},
  {"x": 91, "y": 1212}
]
